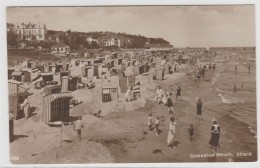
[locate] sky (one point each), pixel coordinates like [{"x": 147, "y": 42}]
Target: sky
[{"x": 182, "y": 26}]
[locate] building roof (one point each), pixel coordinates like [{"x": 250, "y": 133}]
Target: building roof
[
  {"x": 57, "y": 45},
  {"x": 14, "y": 82},
  {"x": 10, "y": 25},
  {"x": 61, "y": 95},
  {"x": 49, "y": 89},
  {"x": 46, "y": 74},
  {"x": 17, "y": 73}
]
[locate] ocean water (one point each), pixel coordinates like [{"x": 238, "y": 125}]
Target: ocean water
[{"x": 235, "y": 111}]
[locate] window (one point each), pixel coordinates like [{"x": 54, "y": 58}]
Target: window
[
  {"x": 61, "y": 49},
  {"x": 40, "y": 31}
]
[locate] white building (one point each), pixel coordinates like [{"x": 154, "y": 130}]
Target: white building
[
  {"x": 110, "y": 41},
  {"x": 60, "y": 49},
  {"x": 29, "y": 31}
]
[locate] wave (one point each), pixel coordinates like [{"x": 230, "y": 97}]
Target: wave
[
  {"x": 233, "y": 125},
  {"x": 229, "y": 99},
  {"x": 252, "y": 131}
]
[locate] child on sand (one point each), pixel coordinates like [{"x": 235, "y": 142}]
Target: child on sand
[
  {"x": 150, "y": 123},
  {"x": 170, "y": 104},
  {"x": 160, "y": 94},
  {"x": 128, "y": 94},
  {"x": 191, "y": 132},
  {"x": 164, "y": 100},
  {"x": 78, "y": 125},
  {"x": 97, "y": 114}
]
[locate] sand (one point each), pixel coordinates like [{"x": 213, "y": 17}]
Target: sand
[{"x": 121, "y": 135}]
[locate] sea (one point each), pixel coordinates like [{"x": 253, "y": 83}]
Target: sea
[{"x": 235, "y": 109}]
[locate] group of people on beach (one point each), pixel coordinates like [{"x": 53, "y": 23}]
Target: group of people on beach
[{"x": 165, "y": 98}]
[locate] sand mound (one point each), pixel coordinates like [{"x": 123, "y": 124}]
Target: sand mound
[{"x": 80, "y": 152}]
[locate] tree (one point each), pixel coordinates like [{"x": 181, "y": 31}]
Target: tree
[
  {"x": 12, "y": 39},
  {"x": 94, "y": 44},
  {"x": 45, "y": 45}
]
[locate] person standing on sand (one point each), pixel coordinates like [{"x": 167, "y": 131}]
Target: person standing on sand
[
  {"x": 160, "y": 94},
  {"x": 157, "y": 122},
  {"x": 169, "y": 104},
  {"x": 78, "y": 125},
  {"x": 215, "y": 135},
  {"x": 171, "y": 133},
  {"x": 150, "y": 122},
  {"x": 249, "y": 69},
  {"x": 199, "y": 110},
  {"x": 26, "y": 107},
  {"x": 178, "y": 94},
  {"x": 128, "y": 94}
]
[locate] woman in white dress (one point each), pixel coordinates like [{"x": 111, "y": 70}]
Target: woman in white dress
[{"x": 171, "y": 133}]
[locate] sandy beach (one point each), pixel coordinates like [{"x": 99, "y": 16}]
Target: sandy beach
[{"x": 121, "y": 134}]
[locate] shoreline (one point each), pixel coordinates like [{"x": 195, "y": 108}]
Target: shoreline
[{"x": 122, "y": 136}]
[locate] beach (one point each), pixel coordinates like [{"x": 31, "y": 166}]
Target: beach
[{"x": 121, "y": 134}]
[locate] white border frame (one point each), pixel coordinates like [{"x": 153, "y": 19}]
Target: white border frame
[{"x": 4, "y": 130}]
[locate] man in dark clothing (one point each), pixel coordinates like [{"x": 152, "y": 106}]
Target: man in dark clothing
[{"x": 178, "y": 92}]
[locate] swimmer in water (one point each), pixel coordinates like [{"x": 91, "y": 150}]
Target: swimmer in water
[
  {"x": 199, "y": 110},
  {"x": 235, "y": 88}
]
